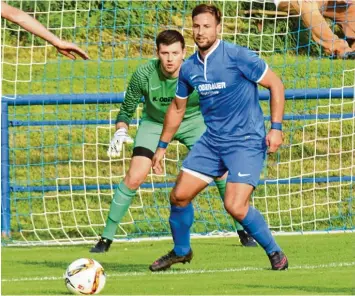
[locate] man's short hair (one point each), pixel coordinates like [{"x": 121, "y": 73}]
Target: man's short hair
[
  {"x": 168, "y": 37},
  {"x": 207, "y": 8}
]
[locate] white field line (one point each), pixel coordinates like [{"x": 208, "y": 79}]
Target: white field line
[{"x": 188, "y": 271}]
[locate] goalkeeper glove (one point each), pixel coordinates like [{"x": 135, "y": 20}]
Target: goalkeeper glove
[{"x": 121, "y": 136}]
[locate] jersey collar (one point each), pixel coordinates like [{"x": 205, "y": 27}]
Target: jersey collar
[
  {"x": 207, "y": 55},
  {"x": 206, "y": 58}
]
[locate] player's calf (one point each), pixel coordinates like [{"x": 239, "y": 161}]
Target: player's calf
[{"x": 164, "y": 262}]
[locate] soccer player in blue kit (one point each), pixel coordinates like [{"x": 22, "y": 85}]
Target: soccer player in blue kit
[{"x": 226, "y": 77}]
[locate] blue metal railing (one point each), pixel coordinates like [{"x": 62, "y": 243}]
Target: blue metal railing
[
  {"x": 104, "y": 98},
  {"x": 5, "y": 168}
]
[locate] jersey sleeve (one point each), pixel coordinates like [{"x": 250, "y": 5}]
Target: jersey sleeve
[
  {"x": 183, "y": 88},
  {"x": 249, "y": 63},
  {"x": 132, "y": 98}
]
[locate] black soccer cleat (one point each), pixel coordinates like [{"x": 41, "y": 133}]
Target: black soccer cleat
[
  {"x": 278, "y": 261},
  {"x": 164, "y": 262},
  {"x": 245, "y": 239},
  {"x": 102, "y": 246}
]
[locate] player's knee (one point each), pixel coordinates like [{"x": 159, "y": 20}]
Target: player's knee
[
  {"x": 236, "y": 207},
  {"x": 179, "y": 198},
  {"x": 133, "y": 181}
]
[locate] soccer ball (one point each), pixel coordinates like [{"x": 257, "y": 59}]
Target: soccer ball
[{"x": 85, "y": 276}]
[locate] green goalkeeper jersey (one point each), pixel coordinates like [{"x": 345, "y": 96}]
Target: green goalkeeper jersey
[{"x": 149, "y": 82}]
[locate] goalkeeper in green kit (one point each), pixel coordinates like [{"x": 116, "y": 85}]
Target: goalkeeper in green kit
[{"x": 156, "y": 81}]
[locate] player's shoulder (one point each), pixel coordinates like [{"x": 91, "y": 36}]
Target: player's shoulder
[
  {"x": 190, "y": 60},
  {"x": 148, "y": 68},
  {"x": 237, "y": 52},
  {"x": 233, "y": 49},
  {"x": 188, "y": 63}
]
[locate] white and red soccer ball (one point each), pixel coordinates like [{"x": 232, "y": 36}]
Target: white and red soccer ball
[{"x": 85, "y": 276}]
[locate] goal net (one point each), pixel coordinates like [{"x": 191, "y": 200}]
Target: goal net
[{"x": 58, "y": 119}]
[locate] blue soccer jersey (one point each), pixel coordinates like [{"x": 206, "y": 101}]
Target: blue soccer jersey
[
  {"x": 227, "y": 84},
  {"x": 235, "y": 137}
]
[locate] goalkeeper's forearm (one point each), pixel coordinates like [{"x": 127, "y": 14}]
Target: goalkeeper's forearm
[{"x": 173, "y": 119}]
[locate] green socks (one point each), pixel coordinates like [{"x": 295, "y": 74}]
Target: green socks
[
  {"x": 221, "y": 186},
  {"x": 119, "y": 207},
  {"x": 122, "y": 200}
]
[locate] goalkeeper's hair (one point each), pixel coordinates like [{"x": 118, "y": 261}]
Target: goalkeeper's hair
[
  {"x": 207, "y": 8},
  {"x": 168, "y": 37}
]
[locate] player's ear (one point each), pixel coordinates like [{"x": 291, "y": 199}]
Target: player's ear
[
  {"x": 184, "y": 53},
  {"x": 219, "y": 29},
  {"x": 157, "y": 51}
]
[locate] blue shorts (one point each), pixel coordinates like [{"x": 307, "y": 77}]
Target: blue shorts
[{"x": 243, "y": 159}]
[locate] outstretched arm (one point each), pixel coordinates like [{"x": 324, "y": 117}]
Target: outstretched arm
[
  {"x": 277, "y": 106},
  {"x": 31, "y": 25},
  {"x": 172, "y": 121}
]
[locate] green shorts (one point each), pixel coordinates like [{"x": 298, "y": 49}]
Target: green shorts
[{"x": 149, "y": 132}]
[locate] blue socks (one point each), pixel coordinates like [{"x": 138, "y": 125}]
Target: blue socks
[
  {"x": 181, "y": 219},
  {"x": 256, "y": 226}
]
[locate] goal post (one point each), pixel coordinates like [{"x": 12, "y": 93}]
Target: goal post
[{"x": 58, "y": 119}]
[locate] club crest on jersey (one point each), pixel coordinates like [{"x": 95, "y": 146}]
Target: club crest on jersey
[{"x": 211, "y": 88}]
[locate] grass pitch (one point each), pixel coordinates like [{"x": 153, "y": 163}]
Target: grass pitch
[{"x": 319, "y": 264}]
